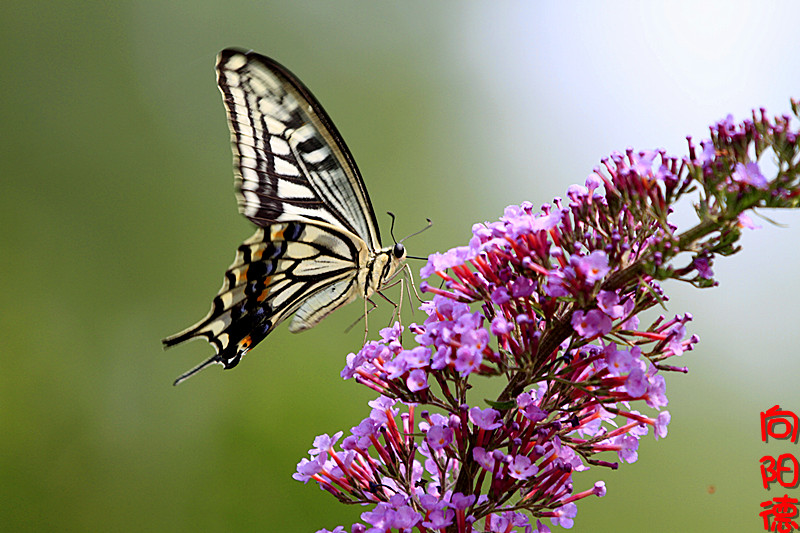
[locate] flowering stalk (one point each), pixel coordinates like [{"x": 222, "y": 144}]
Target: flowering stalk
[{"x": 550, "y": 303}]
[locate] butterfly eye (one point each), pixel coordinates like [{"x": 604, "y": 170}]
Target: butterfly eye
[{"x": 399, "y": 251}]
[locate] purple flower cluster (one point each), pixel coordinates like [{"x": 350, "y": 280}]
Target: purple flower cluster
[
  {"x": 727, "y": 164},
  {"x": 549, "y": 301},
  {"x": 453, "y": 340},
  {"x": 420, "y": 493}
]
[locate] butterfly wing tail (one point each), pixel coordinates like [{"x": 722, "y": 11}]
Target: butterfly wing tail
[
  {"x": 240, "y": 316},
  {"x": 182, "y": 336},
  {"x": 186, "y": 375}
]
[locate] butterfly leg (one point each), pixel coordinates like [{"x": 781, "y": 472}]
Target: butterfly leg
[
  {"x": 407, "y": 274},
  {"x": 366, "y": 312},
  {"x": 399, "y": 306},
  {"x": 407, "y": 289},
  {"x": 396, "y": 306},
  {"x": 362, "y": 317}
]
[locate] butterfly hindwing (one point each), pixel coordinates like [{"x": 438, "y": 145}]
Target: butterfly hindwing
[
  {"x": 309, "y": 266},
  {"x": 289, "y": 159}
]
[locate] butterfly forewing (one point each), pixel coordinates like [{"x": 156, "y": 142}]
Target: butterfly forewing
[
  {"x": 289, "y": 160},
  {"x": 318, "y": 246}
]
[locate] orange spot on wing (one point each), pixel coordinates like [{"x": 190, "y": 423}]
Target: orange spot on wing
[
  {"x": 245, "y": 343},
  {"x": 241, "y": 275},
  {"x": 265, "y": 292},
  {"x": 277, "y": 235}
]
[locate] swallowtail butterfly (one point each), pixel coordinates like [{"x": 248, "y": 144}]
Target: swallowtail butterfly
[{"x": 317, "y": 245}]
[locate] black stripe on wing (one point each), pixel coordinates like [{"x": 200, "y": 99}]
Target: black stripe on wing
[
  {"x": 274, "y": 273},
  {"x": 290, "y": 161}
]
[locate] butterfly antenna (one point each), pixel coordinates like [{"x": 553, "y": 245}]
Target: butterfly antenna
[
  {"x": 391, "y": 228},
  {"x": 430, "y": 224},
  {"x": 417, "y": 233},
  {"x": 391, "y": 232},
  {"x": 186, "y": 375}
]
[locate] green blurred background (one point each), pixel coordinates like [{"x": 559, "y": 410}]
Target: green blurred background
[{"x": 119, "y": 219}]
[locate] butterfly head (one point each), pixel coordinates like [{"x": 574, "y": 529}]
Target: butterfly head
[{"x": 399, "y": 251}]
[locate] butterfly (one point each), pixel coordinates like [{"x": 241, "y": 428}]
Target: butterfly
[{"x": 317, "y": 246}]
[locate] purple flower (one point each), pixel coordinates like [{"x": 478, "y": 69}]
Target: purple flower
[
  {"x": 522, "y": 468},
  {"x": 708, "y": 153},
  {"x": 381, "y": 517},
  {"x": 392, "y": 333},
  {"x": 308, "y": 468},
  {"x": 591, "y": 324},
  {"x": 502, "y": 523},
  {"x": 547, "y": 222},
  {"x": 430, "y": 502},
  {"x": 500, "y": 295},
  {"x": 522, "y": 288},
  {"x": 745, "y": 221},
  {"x": 367, "y": 427},
  {"x": 703, "y": 267},
  {"x": 418, "y": 357},
  {"x": 483, "y": 458},
  {"x": 593, "y": 267},
  {"x": 565, "y": 515},
  {"x": 608, "y": 302},
  {"x": 406, "y": 518},
  {"x": 618, "y": 362},
  {"x": 662, "y": 421},
  {"x": 656, "y": 392},
  {"x": 439, "y": 437},
  {"x": 484, "y": 418},
  {"x": 323, "y": 443},
  {"x": 501, "y": 326},
  {"x": 628, "y": 445},
  {"x": 636, "y": 383},
  {"x": 643, "y": 162},
  {"x": 395, "y": 368},
  {"x": 632, "y": 323},
  {"x": 530, "y": 409},
  {"x": 675, "y": 338},
  {"x": 439, "y": 519},
  {"x": 417, "y": 380},
  {"x": 556, "y": 284},
  {"x": 462, "y": 501},
  {"x": 468, "y": 359},
  {"x": 440, "y": 262},
  {"x": 498, "y": 523},
  {"x": 749, "y": 174}
]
